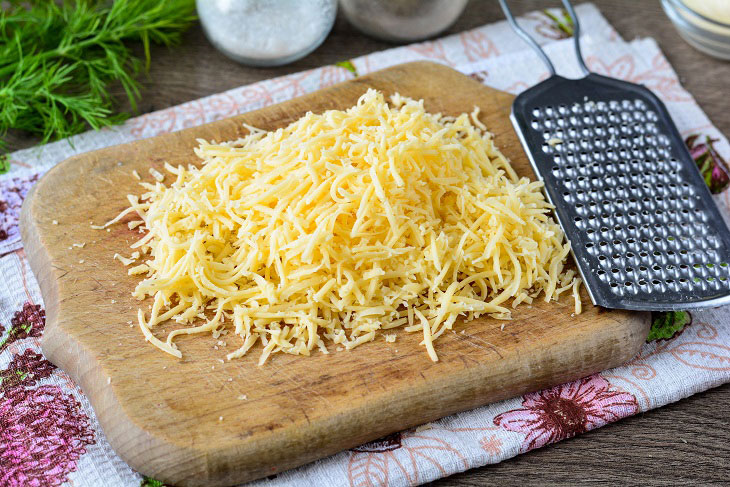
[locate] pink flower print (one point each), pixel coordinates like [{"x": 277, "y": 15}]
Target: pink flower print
[
  {"x": 377, "y": 463},
  {"x": 43, "y": 433},
  {"x": 12, "y": 194},
  {"x": 566, "y": 410},
  {"x": 25, "y": 370},
  {"x": 711, "y": 165},
  {"x": 28, "y": 322},
  {"x": 491, "y": 445}
]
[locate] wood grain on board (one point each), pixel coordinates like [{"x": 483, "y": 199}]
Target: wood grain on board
[{"x": 184, "y": 421}]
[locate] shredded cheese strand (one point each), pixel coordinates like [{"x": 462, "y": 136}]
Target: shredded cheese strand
[{"x": 343, "y": 224}]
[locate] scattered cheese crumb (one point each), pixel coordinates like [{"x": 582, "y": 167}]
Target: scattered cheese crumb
[
  {"x": 123, "y": 259},
  {"x": 159, "y": 177},
  {"x": 242, "y": 397},
  {"x": 114, "y": 301},
  {"x": 220, "y": 418},
  {"x": 136, "y": 175},
  {"x": 576, "y": 295},
  {"x": 55, "y": 222},
  {"x": 81, "y": 261},
  {"x": 108, "y": 380},
  {"x": 502, "y": 327},
  {"x": 554, "y": 141},
  {"x": 134, "y": 224},
  {"x": 140, "y": 269},
  {"x": 390, "y": 337},
  {"x": 80, "y": 245}
]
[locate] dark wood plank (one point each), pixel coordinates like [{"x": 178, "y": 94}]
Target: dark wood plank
[{"x": 646, "y": 449}]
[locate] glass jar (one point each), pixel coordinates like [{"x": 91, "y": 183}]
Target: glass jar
[
  {"x": 402, "y": 20},
  {"x": 266, "y": 32},
  {"x": 704, "y": 24}
]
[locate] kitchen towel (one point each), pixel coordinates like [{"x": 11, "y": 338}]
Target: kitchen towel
[{"x": 49, "y": 434}]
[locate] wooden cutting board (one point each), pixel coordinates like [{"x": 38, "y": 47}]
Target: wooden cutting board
[{"x": 163, "y": 415}]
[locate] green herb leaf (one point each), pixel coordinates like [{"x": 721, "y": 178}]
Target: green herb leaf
[
  {"x": 150, "y": 482},
  {"x": 348, "y": 66},
  {"x": 59, "y": 60},
  {"x": 563, "y": 23},
  {"x": 666, "y": 325},
  {"x": 4, "y": 164}
]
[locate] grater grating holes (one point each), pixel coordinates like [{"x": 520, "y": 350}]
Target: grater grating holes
[{"x": 639, "y": 219}]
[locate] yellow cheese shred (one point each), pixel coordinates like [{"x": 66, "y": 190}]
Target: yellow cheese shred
[{"x": 343, "y": 224}]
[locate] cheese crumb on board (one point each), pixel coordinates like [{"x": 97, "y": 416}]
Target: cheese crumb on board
[
  {"x": 123, "y": 259},
  {"x": 138, "y": 269},
  {"x": 554, "y": 141},
  {"x": 343, "y": 224},
  {"x": 159, "y": 177}
]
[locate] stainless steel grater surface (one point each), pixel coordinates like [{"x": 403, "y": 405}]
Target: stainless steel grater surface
[{"x": 644, "y": 229}]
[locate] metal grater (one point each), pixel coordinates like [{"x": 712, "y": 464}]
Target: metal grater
[{"x": 644, "y": 229}]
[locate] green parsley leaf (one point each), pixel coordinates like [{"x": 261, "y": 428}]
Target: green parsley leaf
[
  {"x": 665, "y": 325},
  {"x": 150, "y": 482},
  {"x": 348, "y": 66}
]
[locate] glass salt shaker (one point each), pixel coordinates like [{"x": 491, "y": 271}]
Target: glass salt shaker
[{"x": 266, "y": 32}]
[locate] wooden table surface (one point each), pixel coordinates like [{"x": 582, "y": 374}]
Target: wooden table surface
[{"x": 684, "y": 443}]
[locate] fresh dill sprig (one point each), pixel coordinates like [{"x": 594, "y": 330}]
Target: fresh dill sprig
[{"x": 58, "y": 60}]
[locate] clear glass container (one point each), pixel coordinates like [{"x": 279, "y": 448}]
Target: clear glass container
[
  {"x": 402, "y": 20},
  {"x": 710, "y": 35},
  {"x": 266, "y": 32}
]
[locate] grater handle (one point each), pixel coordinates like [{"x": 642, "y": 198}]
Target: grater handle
[{"x": 536, "y": 47}]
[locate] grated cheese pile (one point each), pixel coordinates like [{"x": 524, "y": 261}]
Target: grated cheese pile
[{"x": 343, "y": 224}]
